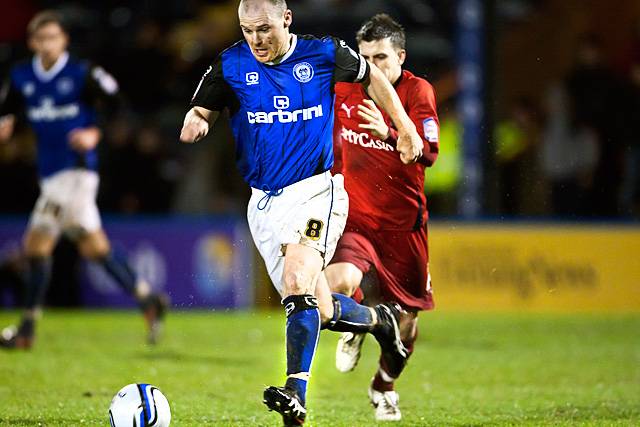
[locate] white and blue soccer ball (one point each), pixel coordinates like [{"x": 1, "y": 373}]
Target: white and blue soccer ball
[{"x": 139, "y": 405}]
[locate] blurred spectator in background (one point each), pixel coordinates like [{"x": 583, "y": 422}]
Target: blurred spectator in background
[
  {"x": 594, "y": 102},
  {"x": 443, "y": 178},
  {"x": 630, "y": 189},
  {"x": 569, "y": 157},
  {"x": 516, "y": 145}
]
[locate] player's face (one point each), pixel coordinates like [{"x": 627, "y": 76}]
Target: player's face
[
  {"x": 385, "y": 56},
  {"x": 49, "y": 41},
  {"x": 266, "y": 30}
]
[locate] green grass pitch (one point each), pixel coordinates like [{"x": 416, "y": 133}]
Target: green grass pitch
[{"x": 468, "y": 370}]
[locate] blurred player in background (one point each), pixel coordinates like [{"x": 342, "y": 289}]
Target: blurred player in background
[
  {"x": 59, "y": 93},
  {"x": 386, "y": 231},
  {"x": 278, "y": 88}
]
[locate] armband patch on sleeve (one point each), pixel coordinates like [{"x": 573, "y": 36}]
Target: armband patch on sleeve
[{"x": 430, "y": 128}]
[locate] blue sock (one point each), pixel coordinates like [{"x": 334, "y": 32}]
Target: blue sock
[
  {"x": 37, "y": 281},
  {"x": 303, "y": 331},
  {"x": 119, "y": 269},
  {"x": 349, "y": 316}
]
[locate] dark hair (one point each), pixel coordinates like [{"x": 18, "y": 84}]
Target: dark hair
[
  {"x": 379, "y": 27},
  {"x": 43, "y": 18}
]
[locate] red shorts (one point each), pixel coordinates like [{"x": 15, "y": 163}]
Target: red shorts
[{"x": 400, "y": 260}]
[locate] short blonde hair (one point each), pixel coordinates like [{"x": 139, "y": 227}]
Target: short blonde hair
[{"x": 43, "y": 18}]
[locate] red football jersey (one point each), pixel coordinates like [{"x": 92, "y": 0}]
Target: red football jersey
[{"x": 384, "y": 193}]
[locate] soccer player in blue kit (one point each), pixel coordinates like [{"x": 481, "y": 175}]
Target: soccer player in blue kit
[
  {"x": 278, "y": 88},
  {"x": 58, "y": 93}
]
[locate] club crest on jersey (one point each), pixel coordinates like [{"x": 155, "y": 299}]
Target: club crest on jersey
[
  {"x": 64, "y": 85},
  {"x": 252, "y": 78},
  {"x": 28, "y": 89},
  {"x": 303, "y": 72}
]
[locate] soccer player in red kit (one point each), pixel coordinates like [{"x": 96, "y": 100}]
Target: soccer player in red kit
[{"x": 386, "y": 232}]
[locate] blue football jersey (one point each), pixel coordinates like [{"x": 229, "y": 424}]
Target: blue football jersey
[
  {"x": 281, "y": 114},
  {"x": 57, "y": 101}
]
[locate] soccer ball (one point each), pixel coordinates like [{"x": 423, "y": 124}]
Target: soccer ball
[{"x": 139, "y": 405}]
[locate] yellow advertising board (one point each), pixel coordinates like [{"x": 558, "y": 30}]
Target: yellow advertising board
[{"x": 535, "y": 267}]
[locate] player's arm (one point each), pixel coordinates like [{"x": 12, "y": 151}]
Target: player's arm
[
  {"x": 212, "y": 95},
  {"x": 196, "y": 124},
  {"x": 10, "y": 104},
  {"x": 421, "y": 108},
  {"x": 101, "y": 91},
  {"x": 409, "y": 143}
]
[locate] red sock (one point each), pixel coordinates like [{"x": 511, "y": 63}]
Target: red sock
[
  {"x": 382, "y": 381},
  {"x": 358, "y": 295}
]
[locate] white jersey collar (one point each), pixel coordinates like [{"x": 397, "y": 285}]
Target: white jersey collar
[
  {"x": 294, "y": 42},
  {"x": 46, "y": 75}
]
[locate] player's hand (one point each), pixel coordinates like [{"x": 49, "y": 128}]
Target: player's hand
[
  {"x": 84, "y": 139},
  {"x": 6, "y": 127},
  {"x": 374, "y": 121},
  {"x": 409, "y": 146},
  {"x": 194, "y": 128}
]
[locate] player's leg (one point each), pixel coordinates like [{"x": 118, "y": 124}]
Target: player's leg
[
  {"x": 345, "y": 278},
  {"x": 95, "y": 246},
  {"x": 382, "y": 394},
  {"x": 302, "y": 268},
  {"x": 38, "y": 247}
]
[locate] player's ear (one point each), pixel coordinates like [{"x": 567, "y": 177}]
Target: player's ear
[
  {"x": 288, "y": 18},
  {"x": 402, "y": 55}
]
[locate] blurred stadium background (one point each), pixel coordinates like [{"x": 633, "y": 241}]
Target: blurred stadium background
[
  {"x": 534, "y": 200},
  {"x": 540, "y": 109}
]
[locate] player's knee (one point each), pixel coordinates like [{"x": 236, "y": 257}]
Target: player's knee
[
  {"x": 297, "y": 283},
  {"x": 94, "y": 246},
  {"x": 38, "y": 245},
  {"x": 409, "y": 330},
  {"x": 343, "y": 278}
]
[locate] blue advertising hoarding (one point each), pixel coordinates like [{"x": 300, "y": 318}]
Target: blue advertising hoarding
[{"x": 200, "y": 263}]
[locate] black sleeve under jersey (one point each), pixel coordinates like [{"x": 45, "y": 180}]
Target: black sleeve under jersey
[
  {"x": 350, "y": 66},
  {"x": 102, "y": 90},
  {"x": 213, "y": 92},
  {"x": 11, "y": 101}
]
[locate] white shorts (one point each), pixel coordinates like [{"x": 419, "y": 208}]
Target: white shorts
[
  {"x": 67, "y": 203},
  {"x": 311, "y": 212}
]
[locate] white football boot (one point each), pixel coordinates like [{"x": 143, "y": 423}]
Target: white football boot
[
  {"x": 348, "y": 351},
  {"x": 385, "y": 404}
]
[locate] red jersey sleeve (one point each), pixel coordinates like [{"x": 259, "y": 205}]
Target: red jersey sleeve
[
  {"x": 421, "y": 107},
  {"x": 422, "y": 111}
]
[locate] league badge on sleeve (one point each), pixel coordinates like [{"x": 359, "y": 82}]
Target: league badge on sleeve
[{"x": 430, "y": 128}]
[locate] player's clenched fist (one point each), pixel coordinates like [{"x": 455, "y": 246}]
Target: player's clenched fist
[
  {"x": 84, "y": 139},
  {"x": 409, "y": 146},
  {"x": 194, "y": 128},
  {"x": 6, "y": 127}
]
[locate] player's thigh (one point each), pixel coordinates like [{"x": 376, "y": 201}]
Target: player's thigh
[
  {"x": 343, "y": 277},
  {"x": 302, "y": 267},
  {"x": 82, "y": 216},
  {"x": 409, "y": 326},
  {"x": 93, "y": 244},
  {"x": 39, "y": 242}
]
